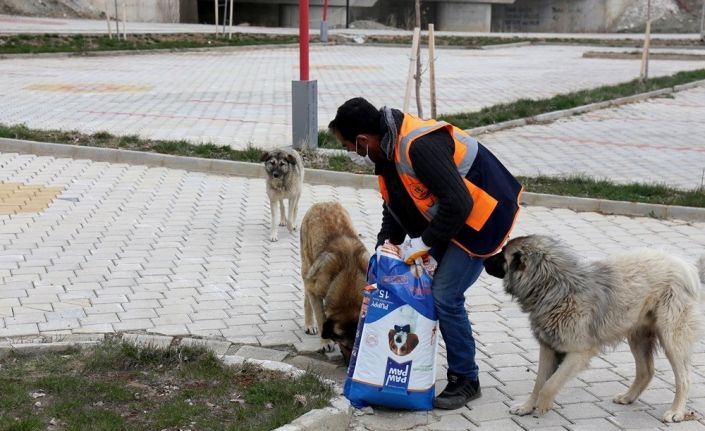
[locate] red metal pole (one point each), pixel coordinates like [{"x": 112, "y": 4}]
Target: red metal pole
[
  {"x": 303, "y": 40},
  {"x": 325, "y": 10}
]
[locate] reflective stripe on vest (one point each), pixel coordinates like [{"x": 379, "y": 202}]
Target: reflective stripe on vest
[{"x": 464, "y": 155}]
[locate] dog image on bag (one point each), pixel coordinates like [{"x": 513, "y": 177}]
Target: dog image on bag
[
  {"x": 285, "y": 178},
  {"x": 333, "y": 268},
  {"x": 402, "y": 339},
  {"x": 577, "y": 309}
]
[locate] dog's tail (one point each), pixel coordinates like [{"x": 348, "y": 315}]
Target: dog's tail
[{"x": 701, "y": 268}]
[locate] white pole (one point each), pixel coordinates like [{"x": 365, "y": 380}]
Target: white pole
[
  {"x": 216, "y": 18},
  {"x": 230, "y": 29},
  {"x": 124, "y": 20},
  {"x": 432, "y": 67},
  {"x": 117, "y": 20},
  {"x": 412, "y": 66},
  {"x": 107, "y": 19},
  {"x": 647, "y": 44}
]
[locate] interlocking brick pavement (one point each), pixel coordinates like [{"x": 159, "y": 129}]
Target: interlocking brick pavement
[
  {"x": 661, "y": 140},
  {"x": 170, "y": 252},
  {"x": 243, "y": 96}
]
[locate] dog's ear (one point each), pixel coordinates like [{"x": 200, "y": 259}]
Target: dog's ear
[
  {"x": 324, "y": 260},
  {"x": 264, "y": 157},
  {"x": 291, "y": 159},
  {"x": 412, "y": 341},
  {"x": 518, "y": 263}
]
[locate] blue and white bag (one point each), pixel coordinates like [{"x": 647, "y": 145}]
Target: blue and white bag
[{"x": 393, "y": 362}]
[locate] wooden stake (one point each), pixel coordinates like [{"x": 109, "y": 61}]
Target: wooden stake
[
  {"x": 412, "y": 65},
  {"x": 107, "y": 19},
  {"x": 432, "y": 68},
  {"x": 644, "y": 75},
  {"x": 230, "y": 29}
]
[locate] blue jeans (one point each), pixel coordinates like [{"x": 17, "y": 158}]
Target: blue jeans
[{"x": 456, "y": 272}]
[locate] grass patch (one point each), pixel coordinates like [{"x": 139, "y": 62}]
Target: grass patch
[
  {"x": 581, "y": 186},
  {"x": 479, "y": 41},
  {"x": 118, "y": 386},
  {"x": 586, "y": 187},
  {"x": 79, "y": 43},
  {"x": 312, "y": 159},
  {"x": 529, "y": 107}
]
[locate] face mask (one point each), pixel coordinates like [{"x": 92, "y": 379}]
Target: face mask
[{"x": 360, "y": 160}]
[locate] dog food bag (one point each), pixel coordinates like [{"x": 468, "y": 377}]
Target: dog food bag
[{"x": 393, "y": 362}]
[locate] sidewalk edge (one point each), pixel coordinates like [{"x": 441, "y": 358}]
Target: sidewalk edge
[
  {"x": 333, "y": 178},
  {"x": 556, "y": 115}
]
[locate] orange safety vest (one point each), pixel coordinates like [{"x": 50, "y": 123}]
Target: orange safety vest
[{"x": 494, "y": 191}]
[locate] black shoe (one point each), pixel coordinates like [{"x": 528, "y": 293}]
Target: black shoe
[{"x": 460, "y": 391}]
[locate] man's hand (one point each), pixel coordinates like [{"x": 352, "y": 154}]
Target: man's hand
[{"x": 413, "y": 248}]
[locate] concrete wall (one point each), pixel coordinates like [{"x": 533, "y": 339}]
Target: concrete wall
[
  {"x": 566, "y": 16},
  {"x": 463, "y": 16},
  {"x": 336, "y": 16},
  {"x": 149, "y": 10}
]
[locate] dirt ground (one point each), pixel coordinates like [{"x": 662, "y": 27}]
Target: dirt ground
[{"x": 668, "y": 16}]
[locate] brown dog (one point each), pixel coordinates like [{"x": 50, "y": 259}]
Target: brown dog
[{"x": 333, "y": 267}]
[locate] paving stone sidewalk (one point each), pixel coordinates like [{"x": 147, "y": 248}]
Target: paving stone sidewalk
[
  {"x": 160, "y": 251},
  {"x": 243, "y": 96},
  {"x": 661, "y": 140}
]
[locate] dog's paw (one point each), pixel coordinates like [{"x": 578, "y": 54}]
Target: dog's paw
[
  {"x": 673, "y": 416},
  {"x": 282, "y": 223},
  {"x": 273, "y": 237},
  {"x": 521, "y": 410},
  {"x": 543, "y": 406},
  {"x": 291, "y": 227},
  {"x": 326, "y": 346},
  {"x": 311, "y": 330},
  {"x": 622, "y": 399}
]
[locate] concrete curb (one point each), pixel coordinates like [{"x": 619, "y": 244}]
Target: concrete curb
[
  {"x": 636, "y": 55},
  {"x": 195, "y": 164},
  {"x": 623, "y": 208},
  {"x": 333, "y": 178},
  {"x": 335, "y": 417},
  {"x": 507, "y": 45},
  {"x": 555, "y": 115}
]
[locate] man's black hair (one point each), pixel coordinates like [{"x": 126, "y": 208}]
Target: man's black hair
[{"x": 354, "y": 117}]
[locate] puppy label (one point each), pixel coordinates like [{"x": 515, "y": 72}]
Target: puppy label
[
  {"x": 397, "y": 375},
  {"x": 381, "y": 300}
]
